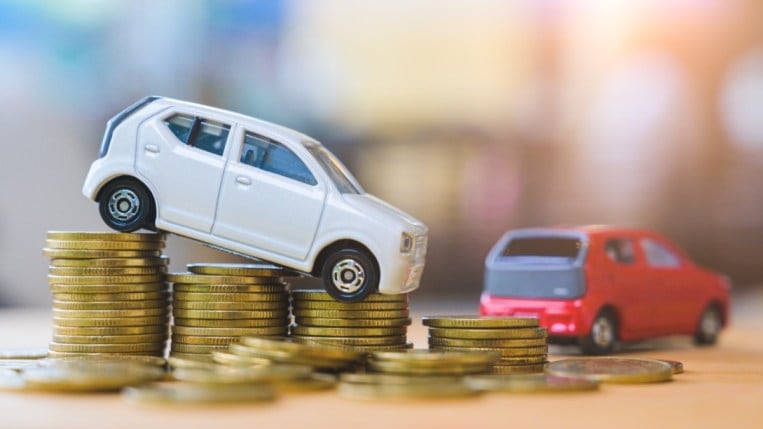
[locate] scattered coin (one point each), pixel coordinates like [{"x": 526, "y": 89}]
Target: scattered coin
[
  {"x": 23, "y": 353},
  {"x": 530, "y": 383},
  {"x": 678, "y": 367},
  {"x": 189, "y": 393},
  {"x": 89, "y": 375},
  {"x": 613, "y": 370}
]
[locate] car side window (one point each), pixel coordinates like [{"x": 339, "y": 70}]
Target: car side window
[
  {"x": 271, "y": 156},
  {"x": 657, "y": 255},
  {"x": 620, "y": 250},
  {"x": 204, "y": 134}
]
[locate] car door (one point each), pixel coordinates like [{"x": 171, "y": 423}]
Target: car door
[
  {"x": 181, "y": 154},
  {"x": 621, "y": 272},
  {"x": 269, "y": 199},
  {"x": 669, "y": 284}
]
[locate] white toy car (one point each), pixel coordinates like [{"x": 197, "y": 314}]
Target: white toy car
[{"x": 252, "y": 188}]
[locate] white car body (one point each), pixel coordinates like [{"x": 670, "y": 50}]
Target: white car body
[{"x": 222, "y": 201}]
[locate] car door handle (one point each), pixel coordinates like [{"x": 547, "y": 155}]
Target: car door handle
[
  {"x": 244, "y": 180},
  {"x": 152, "y": 148}
]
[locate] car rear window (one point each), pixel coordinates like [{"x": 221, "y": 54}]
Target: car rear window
[{"x": 556, "y": 247}]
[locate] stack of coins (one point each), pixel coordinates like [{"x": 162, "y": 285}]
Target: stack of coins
[
  {"x": 215, "y": 304},
  {"x": 520, "y": 342},
  {"x": 378, "y": 323},
  {"x": 109, "y": 294}
]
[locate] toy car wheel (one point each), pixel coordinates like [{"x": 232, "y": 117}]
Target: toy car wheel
[
  {"x": 709, "y": 327},
  {"x": 349, "y": 275},
  {"x": 603, "y": 335},
  {"x": 126, "y": 205}
]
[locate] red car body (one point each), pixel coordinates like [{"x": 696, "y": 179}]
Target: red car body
[{"x": 566, "y": 277}]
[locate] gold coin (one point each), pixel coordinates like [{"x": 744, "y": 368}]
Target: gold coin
[
  {"x": 209, "y": 279},
  {"x": 347, "y": 332},
  {"x": 286, "y": 357},
  {"x": 90, "y": 376},
  {"x": 320, "y": 295},
  {"x": 121, "y": 321},
  {"x": 105, "y": 271},
  {"x": 231, "y": 297},
  {"x": 197, "y": 348},
  {"x": 204, "y": 340},
  {"x": 426, "y": 358},
  {"x": 678, "y": 367},
  {"x": 511, "y": 333},
  {"x": 103, "y": 245},
  {"x": 353, "y": 323},
  {"x": 336, "y": 305},
  {"x": 304, "y": 350},
  {"x": 374, "y": 391},
  {"x": 108, "y": 348},
  {"x": 210, "y": 288},
  {"x": 92, "y": 314},
  {"x": 522, "y": 360},
  {"x": 479, "y": 322},
  {"x": 395, "y": 367},
  {"x": 84, "y": 359},
  {"x": 93, "y": 297},
  {"x": 104, "y": 236},
  {"x": 351, "y": 314},
  {"x": 613, "y": 370},
  {"x": 220, "y": 306},
  {"x": 110, "y": 339},
  {"x": 231, "y": 359},
  {"x": 30, "y": 353},
  {"x": 390, "y": 348},
  {"x": 518, "y": 369},
  {"x": 487, "y": 343},
  {"x": 111, "y": 305},
  {"x": 242, "y": 374},
  {"x": 505, "y": 351},
  {"x": 104, "y": 280},
  {"x": 110, "y": 330},
  {"x": 388, "y": 379},
  {"x": 247, "y": 270},
  {"x": 274, "y": 324},
  {"x": 529, "y": 383},
  {"x": 98, "y": 254},
  {"x": 111, "y": 262},
  {"x": 228, "y": 332},
  {"x": 199, "y": 357},
  {"x": 110, "y": 288},
  {"x": 67, "y": 355},
  {"x": 353, "y": 341},
  {"x": 200, "y": 393},
  {"x": 181, "y": 313}
]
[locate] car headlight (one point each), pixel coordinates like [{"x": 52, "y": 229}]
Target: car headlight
[{"x": 406, "y": 243}]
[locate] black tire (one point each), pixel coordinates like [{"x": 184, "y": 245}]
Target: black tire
[
  {"x": 602, "y": 338},
  {"x": 126, "y": 205},
  {"x": 349, "y": 275},
  {"x": 709, "y": 326}
]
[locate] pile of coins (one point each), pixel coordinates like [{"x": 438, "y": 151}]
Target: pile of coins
[
  {"x": 215, "y": 304},
  {"x": 425, "y": 362},
  {"x": 520, "y": 342},
  {"x": 109, "y": 293},
  {"x": 378, "y": 323},
  {"x": 290, "y": 353}
]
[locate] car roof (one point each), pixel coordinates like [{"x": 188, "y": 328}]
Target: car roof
[
  {"x": 588, "y": 230},
  {"x": 280, "y": 130}
]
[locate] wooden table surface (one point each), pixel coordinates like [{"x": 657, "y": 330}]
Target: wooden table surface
[{"x": 722, "y": 387}]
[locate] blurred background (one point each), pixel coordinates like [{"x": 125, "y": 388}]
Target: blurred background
[{"x": 475, "y": 117}]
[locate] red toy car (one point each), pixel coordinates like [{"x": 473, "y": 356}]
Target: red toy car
[{"x": 598, "y": 285}]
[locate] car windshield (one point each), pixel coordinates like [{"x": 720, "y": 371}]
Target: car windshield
[
  {"x": 338, "y": 173},
  {"x": 553, "y": 247}
]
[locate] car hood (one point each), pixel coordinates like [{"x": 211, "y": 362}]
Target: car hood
[{"x": 375, "y": 207}]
